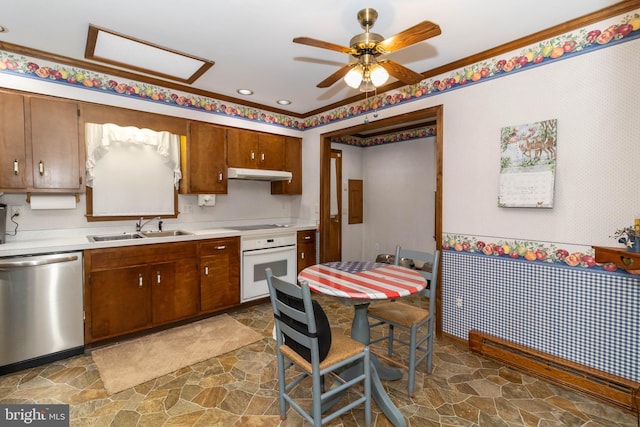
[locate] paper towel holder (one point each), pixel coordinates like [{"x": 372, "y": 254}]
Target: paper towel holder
[
  {"x": 29, "y": 197},
  {"x": 206, "y": 199}
]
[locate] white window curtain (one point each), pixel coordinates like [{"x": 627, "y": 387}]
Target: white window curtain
[
  {"x": 99, "y": 138},
  {"x": 132, "y": 171}
]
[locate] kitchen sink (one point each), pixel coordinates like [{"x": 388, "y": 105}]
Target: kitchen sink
[
  {"x": 168, "y": 233},
  {"x": 139, "y": 235},
  {"x": 111, "y": 237}
]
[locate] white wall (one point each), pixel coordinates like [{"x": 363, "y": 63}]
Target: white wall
[
  {"x": 399, "y": 196},
  {"x": 595, "y": 98}
]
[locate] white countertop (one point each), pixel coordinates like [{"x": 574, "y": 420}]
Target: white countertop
[{"x": 32, "y": 243}]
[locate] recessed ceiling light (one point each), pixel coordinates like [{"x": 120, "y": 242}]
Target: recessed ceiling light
[
  {"x": 283, "y": 101},
  {"x": 3, "y": 29},
  {"x": 245, "y": 91}
]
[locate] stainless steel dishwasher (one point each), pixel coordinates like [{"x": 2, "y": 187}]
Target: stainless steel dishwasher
[{"x": 41, "y": 309}]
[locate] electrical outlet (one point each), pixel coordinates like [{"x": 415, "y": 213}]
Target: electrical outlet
[{"x": 16, "y": 210}]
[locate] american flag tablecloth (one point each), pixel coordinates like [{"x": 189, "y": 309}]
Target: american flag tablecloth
[{"x": 362, "y": 280}]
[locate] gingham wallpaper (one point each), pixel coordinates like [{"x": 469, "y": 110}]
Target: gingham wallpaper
[{"x": 591, "y": 317}]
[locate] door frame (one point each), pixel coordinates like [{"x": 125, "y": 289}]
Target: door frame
[{"x": 432, "y": 113}]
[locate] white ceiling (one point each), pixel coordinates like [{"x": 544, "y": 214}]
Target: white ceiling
[{"x": 251, "y": 40}]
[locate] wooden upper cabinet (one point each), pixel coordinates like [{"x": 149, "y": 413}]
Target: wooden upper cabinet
[
  {"x": 57, "y": 156},
  {"x": 13, "y": 152},
  {"x": 203, "y": 160},
  {"x": 293, "y": 164},
  {"x": 255, "y": 150}
]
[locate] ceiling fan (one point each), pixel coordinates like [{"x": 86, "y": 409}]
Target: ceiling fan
[{"x": 368, "y": 72}]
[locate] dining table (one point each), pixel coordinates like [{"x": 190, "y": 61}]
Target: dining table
[{"x": 358, "y": 283}]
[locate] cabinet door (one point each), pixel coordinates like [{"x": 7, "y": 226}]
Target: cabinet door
[
  {"x": 293, "y": 164},
  {"x": 270, "y": 151},
  {"x": 13, "y": 156},
  {"x": 55, "y": 147},
  {"x": 204, "y": 158},
  {"x": 306, "y": 249},
  {"x": 174, "y": 292},
  {"x": 242, "y": 148},
  {"x": 120, "y": 301},
  {"x": 219, "y": 275}
]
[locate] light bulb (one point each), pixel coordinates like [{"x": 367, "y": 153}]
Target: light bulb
[
  {"x": 354, "y": 77},
  {"x": 378, "y": 75}
]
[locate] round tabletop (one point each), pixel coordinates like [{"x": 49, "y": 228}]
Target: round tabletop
[{"x": 363, "y": 280}]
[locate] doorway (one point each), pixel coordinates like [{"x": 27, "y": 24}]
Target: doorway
[{"x": 327, "y": 230}]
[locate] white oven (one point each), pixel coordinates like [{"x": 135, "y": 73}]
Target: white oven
[{"x": 276, "y": 251}]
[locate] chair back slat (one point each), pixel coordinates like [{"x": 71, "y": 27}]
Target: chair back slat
[
  {"x": 431, "y": 276},
  {"x": 292, "y": 302}
]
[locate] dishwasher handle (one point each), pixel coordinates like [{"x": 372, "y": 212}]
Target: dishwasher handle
[{"x": 8, "y": 265}]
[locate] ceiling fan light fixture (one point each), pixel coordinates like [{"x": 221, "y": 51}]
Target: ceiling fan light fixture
[
  {"x": 378, "y": 75},
  {"x": 354, "y": 77}
]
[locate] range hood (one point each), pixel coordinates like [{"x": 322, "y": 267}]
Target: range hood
[{"x": 258, "y": 174}]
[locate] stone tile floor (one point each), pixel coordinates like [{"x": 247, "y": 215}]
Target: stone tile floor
[{"x": 240, "y": 389}]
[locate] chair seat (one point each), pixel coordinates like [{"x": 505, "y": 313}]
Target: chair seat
[
  {"x": 342, "y": 347},
  {"x": 398, "y": 313}
]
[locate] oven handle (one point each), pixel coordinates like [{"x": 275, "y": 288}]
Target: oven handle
[{"x": 258, "y": 252}]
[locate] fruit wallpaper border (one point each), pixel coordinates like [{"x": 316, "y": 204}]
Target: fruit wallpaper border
[
  {"x": 620, "y": 29},
  {"x": 527, "y": 250}
]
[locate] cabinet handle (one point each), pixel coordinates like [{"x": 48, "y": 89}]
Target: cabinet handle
[
  {"x": 158, "y": 277},
  {"x": 253, "y": 155},
  {"x": 206, "y": 270},
  {"x": 221, "y": 247},
  {"x": 220, "y": 176},
  {"x": 307, "y": 237},
  {"x": 301, "y": 255},
  {"x": 262, "y": 157},
  {"x": 16, "y": 169},
  {"x": 140, "y": 280},
  {"x": 41, "y": 167}
]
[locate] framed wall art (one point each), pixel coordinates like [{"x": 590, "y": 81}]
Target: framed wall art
[{"x": 528, "y": 165}]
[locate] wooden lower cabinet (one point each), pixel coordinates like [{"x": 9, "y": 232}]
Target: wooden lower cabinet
[
  {"x": 128, "y": 289},
  {"x": 134, "y": 288},
  {"x": 306, "y": 243},
  {"x": 219, "y": 274}
]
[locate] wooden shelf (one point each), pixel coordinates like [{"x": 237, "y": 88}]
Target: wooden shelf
[{"x": 621, "y": 257}]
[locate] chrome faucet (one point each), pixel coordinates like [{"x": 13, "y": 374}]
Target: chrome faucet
[{"x": 140, "y": 225}]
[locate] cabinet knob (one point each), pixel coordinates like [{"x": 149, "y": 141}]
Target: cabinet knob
[
  {"x": 140, "y": 280},
  {"x": 16, "y": 169}
]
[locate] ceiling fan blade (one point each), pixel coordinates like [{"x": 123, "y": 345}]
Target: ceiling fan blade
[
  {"x": 422, "y": 31},
  {"x": 342, "y": 71},
  {"x": 401, "y": 72},
  {"x": 323, "y": 45}
]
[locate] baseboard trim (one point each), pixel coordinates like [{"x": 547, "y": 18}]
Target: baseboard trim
[{"x": 597, "y": 384}]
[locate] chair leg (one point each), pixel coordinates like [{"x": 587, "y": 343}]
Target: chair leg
[
  {"x": 281, "y": 387},
  {"x": 390, "y": 341},
  {"x": 412, "y": 359},
  {"x": 316, "y": 407}
]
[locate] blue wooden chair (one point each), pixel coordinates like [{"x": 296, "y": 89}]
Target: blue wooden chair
[
  {"x": 298, "y": 344},
  {"x": 415, "y": 320}
]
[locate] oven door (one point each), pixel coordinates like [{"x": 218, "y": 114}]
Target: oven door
[{"x": 282, "y": 261}]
